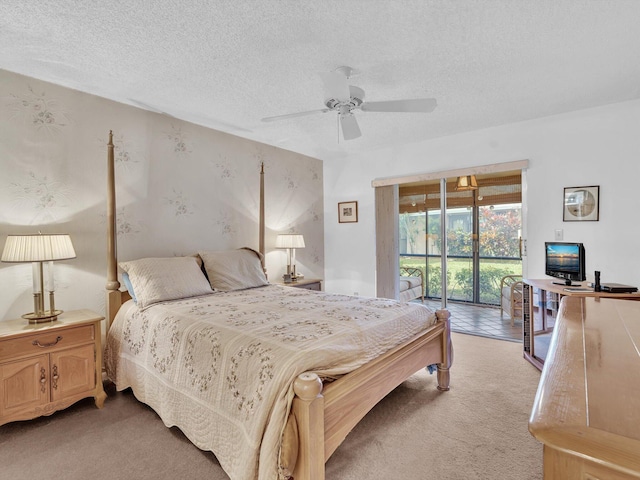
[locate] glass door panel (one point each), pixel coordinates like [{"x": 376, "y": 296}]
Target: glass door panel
[
  {"x": 420, "y": 247},
  {"x": 460, "y": 254},
  {"x": 433, "y": 278},
  {"x": 499, "y": 230},
  {"x": 545, "y": 310},
  {"x": 412, "y": 243}
]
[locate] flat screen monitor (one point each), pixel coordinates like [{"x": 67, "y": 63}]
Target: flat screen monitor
[{"x": 566, "y": 261}]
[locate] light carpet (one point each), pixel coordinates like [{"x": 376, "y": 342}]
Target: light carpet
[{"x": 477, "y": 430}]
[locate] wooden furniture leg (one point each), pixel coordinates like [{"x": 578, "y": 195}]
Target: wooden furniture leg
[{"x": 309, "y": 416}]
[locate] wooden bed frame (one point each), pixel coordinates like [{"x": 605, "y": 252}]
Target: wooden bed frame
[{"x": 321, "y": 415}]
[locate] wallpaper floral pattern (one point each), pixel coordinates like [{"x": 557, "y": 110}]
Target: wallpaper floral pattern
[
  {"x": 37, "y": 109},
  {"x": 180, "y": 187},
  {"x": 39, "y": 194}
]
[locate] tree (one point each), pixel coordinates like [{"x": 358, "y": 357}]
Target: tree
[
  {"x": 412, "y": 228},
  {"x": 500, "y": 232}
]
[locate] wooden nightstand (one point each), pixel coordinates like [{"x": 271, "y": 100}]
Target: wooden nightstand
[
  {"x": 307, "y": 283},
  {"x": 48, "y": 366}
]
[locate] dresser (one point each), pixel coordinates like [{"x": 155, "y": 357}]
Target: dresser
[
  {"x": 586, "y": 412},
  {"x": 48, "y": 366}
]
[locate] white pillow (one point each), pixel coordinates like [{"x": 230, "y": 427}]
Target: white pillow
[
  {"x": 234, "y": 269},
  {"x": 160, "y": 279}
]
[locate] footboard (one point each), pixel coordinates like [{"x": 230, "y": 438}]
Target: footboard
[{"x": 321, "y": 419}]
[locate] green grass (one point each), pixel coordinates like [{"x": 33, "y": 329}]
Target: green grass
[
  {"x": 456, "y": 264},
  {"x": 459, "y": 274}
]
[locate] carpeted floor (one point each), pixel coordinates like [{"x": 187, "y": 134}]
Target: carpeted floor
[{"x": 477, "y": 430}]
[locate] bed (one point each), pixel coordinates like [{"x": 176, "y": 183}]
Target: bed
[{"x": 268, "y": 377}]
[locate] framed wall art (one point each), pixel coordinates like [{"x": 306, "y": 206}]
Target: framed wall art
[
  {"x": 581, "y": 204},
  {"x": 347, "y": 212}
]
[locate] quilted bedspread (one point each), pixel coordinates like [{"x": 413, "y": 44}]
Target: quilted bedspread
[{"x": 221, "y": 366}]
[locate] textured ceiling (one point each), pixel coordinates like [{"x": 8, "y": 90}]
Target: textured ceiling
[{"x": 227, "y": 64}]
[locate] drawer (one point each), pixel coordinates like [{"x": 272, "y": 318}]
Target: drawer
[{"x": 44, "y": 342}]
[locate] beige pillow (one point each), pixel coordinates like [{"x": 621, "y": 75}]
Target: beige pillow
[
  {"x": 234, "y": 269},
  {"x": 160, "y": 279}
]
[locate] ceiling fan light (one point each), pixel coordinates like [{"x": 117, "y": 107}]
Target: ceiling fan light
[{"x": 350, "y": 128}]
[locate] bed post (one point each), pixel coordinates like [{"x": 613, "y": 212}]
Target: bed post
[
  {"x": 113, "y": 294},
  {"x": 261, "y": 221},
  {"x": 308, "y": 409},
  {"x": 447, "y": 351}
]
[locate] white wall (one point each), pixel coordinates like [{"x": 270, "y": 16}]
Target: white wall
[
  {"x": 599, "y": 146},
  {"x": 180, "y": 187}
]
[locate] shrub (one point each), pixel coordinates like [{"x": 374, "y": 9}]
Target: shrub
[{"x": 460, "y": 279}]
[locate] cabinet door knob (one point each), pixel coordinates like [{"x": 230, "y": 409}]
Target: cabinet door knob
[
  {"x": 54, "y": 378},
  {"x": 43, "y": 380},
  {"x": 45, "y": 345}
]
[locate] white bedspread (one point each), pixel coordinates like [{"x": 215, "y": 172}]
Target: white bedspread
[{"x": 221, "y": 366}]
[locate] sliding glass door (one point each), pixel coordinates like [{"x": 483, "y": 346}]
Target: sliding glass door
[{"x": 483, "y": 228}]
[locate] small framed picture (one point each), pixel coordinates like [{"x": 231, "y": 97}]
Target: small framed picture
[
  {"x": 581, "y": 204},
  {"x": 347, "y": 212}
]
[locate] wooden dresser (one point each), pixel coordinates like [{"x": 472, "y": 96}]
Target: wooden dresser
[
  {"x": 48, "y": 366},
  {"x": 587, "y": 408}
]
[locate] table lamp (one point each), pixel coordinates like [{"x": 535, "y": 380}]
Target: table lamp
[
  {"x": 38, "y": 249},
  {"x": 290, "y": 241}
]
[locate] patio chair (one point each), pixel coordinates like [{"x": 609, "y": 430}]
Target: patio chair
[
  {"x": 511, "y": 296},
  {"x": 411, "y": 284}
]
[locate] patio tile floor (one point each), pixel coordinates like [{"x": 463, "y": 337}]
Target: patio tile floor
[{"x": 484, "y": 321}]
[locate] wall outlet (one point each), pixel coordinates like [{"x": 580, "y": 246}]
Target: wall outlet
[{"x": 559, "y": 235}]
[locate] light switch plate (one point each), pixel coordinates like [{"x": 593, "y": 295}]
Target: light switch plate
[{"x": 559, "y": 235}]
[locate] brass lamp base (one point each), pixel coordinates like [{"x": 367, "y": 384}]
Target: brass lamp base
[
  {"x": 44, "y": 317},
  {"x": 288, "y": 278}
]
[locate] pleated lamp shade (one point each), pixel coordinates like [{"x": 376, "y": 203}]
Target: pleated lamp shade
[
  {"x": 37, "y": 248},
  {"x": 290, "y": 240}
]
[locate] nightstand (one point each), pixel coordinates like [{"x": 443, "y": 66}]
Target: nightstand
[
  {"x": 307, "y": 283},
  {"x": 48, "y": 366}
]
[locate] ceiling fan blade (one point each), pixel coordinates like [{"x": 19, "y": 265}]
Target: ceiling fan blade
[
  {"x": 336, "y": 86},
  {"x": 424, "y": 105},
  {"x": 294, "y": 115},
  {"x": 350, "y": 128}
]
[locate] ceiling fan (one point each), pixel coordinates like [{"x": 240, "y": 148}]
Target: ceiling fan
[{"x": 345, "y": 99}]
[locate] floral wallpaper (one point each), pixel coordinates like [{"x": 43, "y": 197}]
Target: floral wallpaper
[{"x": 180, "y": 188}]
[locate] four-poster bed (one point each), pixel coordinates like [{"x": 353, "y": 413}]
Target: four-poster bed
[{"x": 322, "y": 404}]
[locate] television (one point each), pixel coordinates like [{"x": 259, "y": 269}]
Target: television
[{"x": 566, "y": 261}]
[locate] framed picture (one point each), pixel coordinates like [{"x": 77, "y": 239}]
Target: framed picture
[
  {"x": 581, "y": 204},
  {"x": 347, "y": 212}
]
